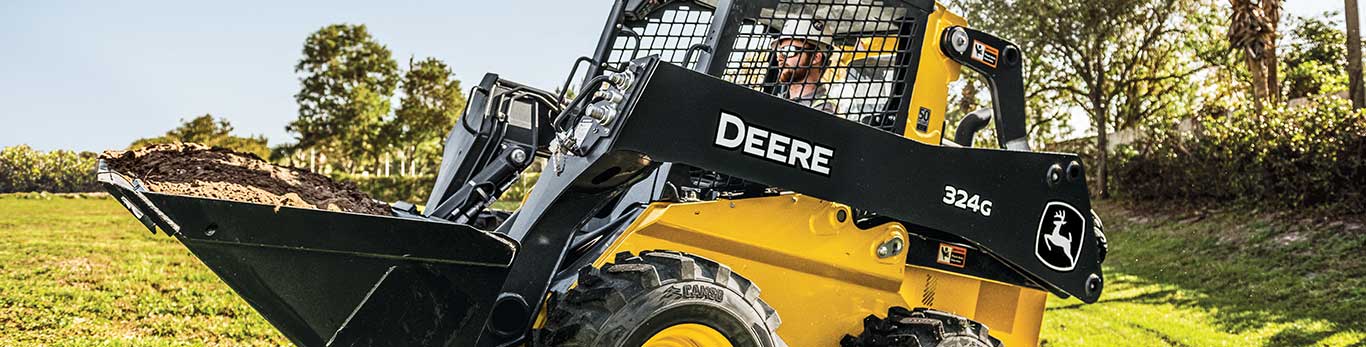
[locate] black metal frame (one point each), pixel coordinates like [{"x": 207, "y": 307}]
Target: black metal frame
[
  {"x": 500, "y": 133},
  {"x": 908, "y": 190},
  {"x": 628, "y": 15},
  {"x": 1005, "y": 76},
  {"x": 467, "y": 287},
  {"x": 729, "y": 17}
]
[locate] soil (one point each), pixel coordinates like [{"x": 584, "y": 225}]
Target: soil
[{"x": 198, "y": 170}]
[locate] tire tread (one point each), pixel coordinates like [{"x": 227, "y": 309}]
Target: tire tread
[
  {"x": 574, "y": 317},
  {"x": 919, "y": 327}
]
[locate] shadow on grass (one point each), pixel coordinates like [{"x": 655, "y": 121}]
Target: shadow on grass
[
  {"x": 1132, "y": 303},
  {"x": 1306, "y": 287},
  {"x": 1300, "y": 337}
]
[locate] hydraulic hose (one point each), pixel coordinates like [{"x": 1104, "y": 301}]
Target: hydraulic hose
[{"x": 592, "y": 84}]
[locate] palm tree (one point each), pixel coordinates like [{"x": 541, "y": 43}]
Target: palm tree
[
  {"x": 1252, "y": 29},
  {"x": 1354, "y": 55}
]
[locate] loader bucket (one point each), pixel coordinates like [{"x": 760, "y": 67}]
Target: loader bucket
[{"x": 328, "y": 278}]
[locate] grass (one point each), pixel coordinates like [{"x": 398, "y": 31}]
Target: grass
[
  {"x": 83, "y": 272},
  {"x": 1223, "y": 278}
]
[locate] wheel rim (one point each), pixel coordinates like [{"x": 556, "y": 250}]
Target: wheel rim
[{"x": 688, "y": 335}]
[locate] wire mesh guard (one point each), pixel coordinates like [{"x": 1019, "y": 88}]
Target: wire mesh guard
[
  {"x": 837, "y": 56},
  {"x": 668, "y": 32},
  {"x": 840, "y": 56}
]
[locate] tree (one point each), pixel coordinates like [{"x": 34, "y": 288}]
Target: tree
[
  {"x": 1314, "y": 57},
  {"x": 1252, "y": 30},
  {"x": 208, "y": 131},
  {"x": 430, "y": 105},
  {"x": 1271, "y": 9},
  {"x": 1107, "y": 58},
  {"x": 346, "y": 83},
  {"x": 1354, "y": 55}
]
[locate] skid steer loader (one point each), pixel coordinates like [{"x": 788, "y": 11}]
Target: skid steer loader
[{"x": 677, "y": 184}]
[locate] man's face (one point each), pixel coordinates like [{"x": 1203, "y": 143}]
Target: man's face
[{"x": 797, "y": 59}]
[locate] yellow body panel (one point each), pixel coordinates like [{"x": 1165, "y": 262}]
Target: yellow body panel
[
  {"x": 932, "y": 79},
  {"x": 822, "y": 275}
]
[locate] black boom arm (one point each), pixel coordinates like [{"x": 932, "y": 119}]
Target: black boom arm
[
  {"x": 1025, "y": 210},
  {"x": 999, "y": 61},
  {"x": 502, "y": 130}
]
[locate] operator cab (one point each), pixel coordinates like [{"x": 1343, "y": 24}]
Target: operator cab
[{"x": 868, "y": 74}]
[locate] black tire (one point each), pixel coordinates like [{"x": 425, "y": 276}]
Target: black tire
[
  {"x": 630, "y": 300},
  {"x": 921, "y": 327},
  {"x": 1102, "y": 246}
]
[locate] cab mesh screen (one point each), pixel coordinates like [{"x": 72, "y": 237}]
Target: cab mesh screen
[
  {"x": 854, "y": 48},
  {"x": 668, "y": 32},
  {"x": 841, "y": 57}
]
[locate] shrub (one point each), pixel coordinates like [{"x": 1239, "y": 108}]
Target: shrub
[
  {"x": 24, "y": 169},
  {"x": 1296, "y": 156},
  {"x": 519, "y": 190},
  {"x": 416, "y": 189},
  {"x": 413, "y": 189}
]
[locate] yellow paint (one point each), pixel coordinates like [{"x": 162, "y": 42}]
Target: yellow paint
[
  {"x": 933, "y": 74},
  {"x": 932, "y": 78},
  {"x": 823, "y": 276},
  {"x": 869, "y": 47},
  {"x": 688, "y": 335}
]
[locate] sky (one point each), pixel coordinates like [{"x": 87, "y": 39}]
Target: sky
[{"x": 96, "y": 75}]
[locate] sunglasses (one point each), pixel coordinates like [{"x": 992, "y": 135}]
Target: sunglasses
[{"x": 788, "y": 51}]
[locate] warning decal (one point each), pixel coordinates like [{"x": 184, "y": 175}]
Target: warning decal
[
  {"x": 984, "y": 54},
  {"x": 952, "y": 255}
]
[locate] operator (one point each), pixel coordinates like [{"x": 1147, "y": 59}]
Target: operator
[{"x": 803, "y": 53}]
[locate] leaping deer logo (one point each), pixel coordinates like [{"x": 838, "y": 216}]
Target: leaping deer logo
[{"x": 1057, "y": 238}]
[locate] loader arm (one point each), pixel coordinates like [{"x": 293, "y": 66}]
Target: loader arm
[{"x": 672, "y": 114}]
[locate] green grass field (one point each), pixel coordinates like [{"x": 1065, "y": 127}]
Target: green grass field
[
  {"x": 1231, "y": 278},
  {"x": 83, "y": 272}
]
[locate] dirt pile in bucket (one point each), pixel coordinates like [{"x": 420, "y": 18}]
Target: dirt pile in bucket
[{"x": 198, "y": 170}]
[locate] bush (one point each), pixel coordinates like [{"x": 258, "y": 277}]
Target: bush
[
  {"x": 1300, "y": 156},
  {"x": 519, "y": 190},
  {"x": 413, "y": 189},
  {"x": 50, "y": 196},
  {"x": 416, "y": 189},
  {"x": 24, "y": 169}
]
